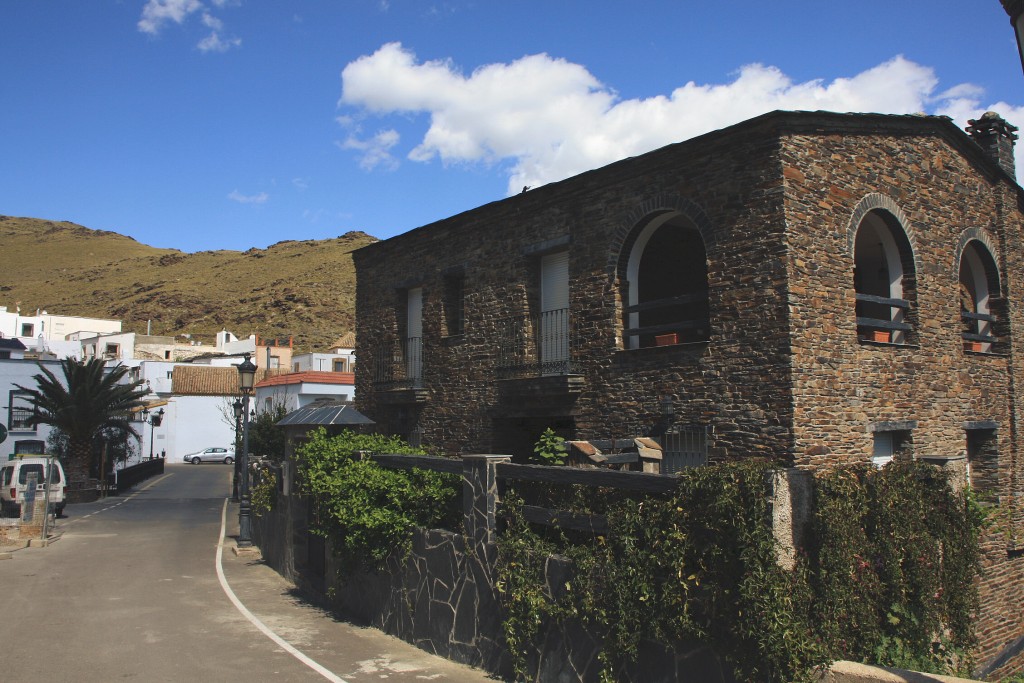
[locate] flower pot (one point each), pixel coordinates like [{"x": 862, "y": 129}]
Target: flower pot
[
  {"x": 666, "y": 339},
  {"x": 880, "y": 336}
]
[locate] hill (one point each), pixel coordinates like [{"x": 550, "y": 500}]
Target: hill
[{"x": 305, "y": 289}]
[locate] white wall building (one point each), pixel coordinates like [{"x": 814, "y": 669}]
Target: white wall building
[
  {"x": 21, "y": 438},
  {"x": 298, "y": 389},
  {"x": 51, "y": 327}
]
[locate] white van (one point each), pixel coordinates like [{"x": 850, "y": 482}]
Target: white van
[{"x": 14, "y": 475}]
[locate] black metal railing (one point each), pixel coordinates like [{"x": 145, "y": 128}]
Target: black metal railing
[
  {"x": 399, "y": 365},
  {"x": 536, "y": 345}
]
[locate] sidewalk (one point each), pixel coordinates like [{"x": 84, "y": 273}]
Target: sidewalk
[{"x": 354, "y": 654}]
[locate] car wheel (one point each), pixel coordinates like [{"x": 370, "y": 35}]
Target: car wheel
[
  {"x": 228, "y": 460},
  {"x": 196, "y": 460}
]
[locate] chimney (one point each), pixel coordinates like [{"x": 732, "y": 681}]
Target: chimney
[{"x": 995, "y": 137}]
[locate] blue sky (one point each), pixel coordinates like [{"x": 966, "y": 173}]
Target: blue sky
[{"x": 230, "y": 124}]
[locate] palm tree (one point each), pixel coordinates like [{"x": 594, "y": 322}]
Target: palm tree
[{"x": 90, "y": 401}]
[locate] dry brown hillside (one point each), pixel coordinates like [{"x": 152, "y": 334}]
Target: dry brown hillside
[{"x": 305, "y": 289}]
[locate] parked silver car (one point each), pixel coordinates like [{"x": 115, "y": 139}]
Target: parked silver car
[{"x": 213, "y": 454}]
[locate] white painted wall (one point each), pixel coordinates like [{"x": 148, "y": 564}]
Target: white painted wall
[{"x": 20, "y": 372}]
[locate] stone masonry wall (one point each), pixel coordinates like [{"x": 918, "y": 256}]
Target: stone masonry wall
[
  {"x": 777, "y": 201},
  {"x": 738, "y": 382}
]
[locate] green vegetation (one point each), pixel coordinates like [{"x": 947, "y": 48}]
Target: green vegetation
[
  {"x": 270, "y": 291},
  {"x": 888, "y": 579},
  {"x": 368, "y": 511},
  {"x": 550, "y": 449},
  {"x": 87, "y": 405},
  {"x": 265, "y": 438}
]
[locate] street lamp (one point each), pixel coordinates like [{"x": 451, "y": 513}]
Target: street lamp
[
  {"x": 154, "y": 421},
  {"x": 1015, "y": 8},
  {"x": 142, "y": 435},
  {"x": 246, "y": 381},
  {"x": 238, "y": 408}
]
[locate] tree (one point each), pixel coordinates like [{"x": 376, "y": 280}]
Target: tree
[
  {"x": 89, "y": 403},
  {"x": 265, "y": 437}
]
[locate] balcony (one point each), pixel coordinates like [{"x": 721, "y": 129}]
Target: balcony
[
  {"x": 535, "y": 346},
  {"x": 535, "y": 369},
  {"x": 398, "y": 371}
]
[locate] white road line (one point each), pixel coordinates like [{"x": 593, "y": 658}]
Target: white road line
[
  {"x": 121, "y": 502},
  {"x": 288, "y": 647}
]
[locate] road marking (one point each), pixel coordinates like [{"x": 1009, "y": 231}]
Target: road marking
[
  {"x": 121, "y": 501},
  {"x": 288, "y": 647}
]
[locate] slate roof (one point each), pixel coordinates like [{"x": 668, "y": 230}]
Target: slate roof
[
  {"x": 325, "y": 414},
  {"x": 11, "y": 344}
]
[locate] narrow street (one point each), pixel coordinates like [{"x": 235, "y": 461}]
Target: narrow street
[{"x": 141, "y": 587}]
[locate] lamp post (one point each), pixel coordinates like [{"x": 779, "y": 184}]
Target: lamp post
[
  {"x": 154, "y": 421},
  {"x": 142, "y": 436},
  {"x": 237, "y": 408},
  {"x": 1015, "y": 8},
  {"x": 246, "y": 381}
]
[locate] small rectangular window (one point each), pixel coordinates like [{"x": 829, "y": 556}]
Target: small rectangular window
[
  {"x": 339, "y": 365},
  {"x": 982, "y": 459},
  {"x": 20, "y": 412},
  {"x": 889, "y": 446},
  {"x": 454, "y": 304},
  {"x": 27, "y": 329}
]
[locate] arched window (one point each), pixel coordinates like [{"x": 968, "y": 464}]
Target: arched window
[
  {"x": 883, "y": 277},
  {"x": 666, "y": 284},
  {"x": 979, "y": 287}
]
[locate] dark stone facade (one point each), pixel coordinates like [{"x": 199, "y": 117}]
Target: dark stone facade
[{"x": 786, "y": 367}]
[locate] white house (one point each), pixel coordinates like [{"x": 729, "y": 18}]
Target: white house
[
  {"x": 49, "y": 327},
  {"x": 21, "y": 437},
  {"x": 296, "y": 390}
]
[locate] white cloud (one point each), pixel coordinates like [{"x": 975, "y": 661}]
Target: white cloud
[
  {"x": 376, "y": 150},
  {"x": 215, "y": 43},
  {"x": 554, "y": 119},
  {"x": 156, "y": 13},
  {"x": 300, "y": 184},
  {"x": 237, "y": 196},
  {"x": 210, "y": 21}
]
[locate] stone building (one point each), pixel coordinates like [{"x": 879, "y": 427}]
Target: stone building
[{"x": 813, "y": 287}]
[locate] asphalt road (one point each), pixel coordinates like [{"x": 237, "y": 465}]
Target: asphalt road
[{"x": 141, "y": 587}]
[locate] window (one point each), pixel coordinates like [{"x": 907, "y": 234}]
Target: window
[
  {"x": 883, "y": 277},
  {"x": 27, "y": 329},
  {"x": 454, "y": 304},
  {"x": 554, "y": 313},
  {"x": 666, "y": 280},
  {"x": 111, "y": 350},
  {"x": 5, "y": 355},
  {"x": 29, "y": 447},
  {"x": 167, "y": 354},
  {"x": 412, "y": 349},
  {"x": 982, "y": 456},
  {"x": 295, "y": 367},
  {"x": 890, "y": 444},
  {"x": 20, "y": 412},
  {"x": 274, "y": 362},
  {"x": 340, "y": 365},
  {"x": 979, "y": 288}
]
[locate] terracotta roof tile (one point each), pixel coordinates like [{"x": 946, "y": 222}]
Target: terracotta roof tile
[
  {"x": 311, "y": 376},
  {"x": 206, "y": 380}
]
